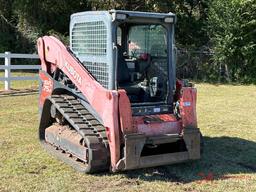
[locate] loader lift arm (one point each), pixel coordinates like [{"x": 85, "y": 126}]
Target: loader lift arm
[{"x": 55, "y": 56}]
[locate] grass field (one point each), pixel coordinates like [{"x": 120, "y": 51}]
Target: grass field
[{"x": 227, "y": 118}]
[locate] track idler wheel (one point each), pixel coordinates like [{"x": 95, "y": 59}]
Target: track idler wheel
[{"x": 55, "y": 114}]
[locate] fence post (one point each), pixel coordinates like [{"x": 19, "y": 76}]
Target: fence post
[{"x": 7, "y": 71}]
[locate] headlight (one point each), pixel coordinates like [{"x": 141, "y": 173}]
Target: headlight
[
  {"x": 168, "y": 19},
  {"x": 119, "y": 16}
]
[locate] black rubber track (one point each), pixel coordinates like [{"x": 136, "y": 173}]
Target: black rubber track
[{"x": 89, "y": 128}]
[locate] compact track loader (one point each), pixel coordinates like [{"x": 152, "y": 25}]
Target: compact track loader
[{"x": 111, "y": 100}]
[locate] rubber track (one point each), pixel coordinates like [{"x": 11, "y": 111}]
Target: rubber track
[{"x": 88, "y": 127}]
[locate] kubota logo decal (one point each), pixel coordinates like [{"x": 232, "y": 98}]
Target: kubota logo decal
[
  {"x": 47, "y": 86},
  {"x": 73, "y": 72}
]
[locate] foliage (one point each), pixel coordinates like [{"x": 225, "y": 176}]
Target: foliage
[
  {"x": 232, "y": 25},
  {"x": 31, "y": 19},
  {"x": 225, "y": 26},
  {"x": 191, "y": 14}
]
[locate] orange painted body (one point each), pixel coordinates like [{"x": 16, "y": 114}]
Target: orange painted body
[
  {"x": 188, "y": 107},
  {"x": 158, "y": 124},
  {"x": 47, "y": 88},
  {"x": 125, "y": 114}
]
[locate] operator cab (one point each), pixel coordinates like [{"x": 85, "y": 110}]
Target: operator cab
[
  {"x": 131, "y": 51},
  {"x": 145, "y": 66}
]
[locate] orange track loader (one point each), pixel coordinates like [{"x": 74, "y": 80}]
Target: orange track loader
[{"x": 111, "y": 100}]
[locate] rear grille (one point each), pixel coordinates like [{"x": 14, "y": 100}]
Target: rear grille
[
  {"x": 89, "y": 41},
  {"x": 89, "y": 38},
  {"x": 99, "y": 71}
]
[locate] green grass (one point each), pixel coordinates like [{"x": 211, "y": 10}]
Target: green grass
[{"x": 226, "y": 116}]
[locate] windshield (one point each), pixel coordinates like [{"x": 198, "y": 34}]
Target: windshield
[
  {"x": 150, "y": 39},
  {"x": 143, "y": 63}
]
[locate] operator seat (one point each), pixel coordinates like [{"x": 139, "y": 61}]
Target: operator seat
[{"x": 123, "y": 76}]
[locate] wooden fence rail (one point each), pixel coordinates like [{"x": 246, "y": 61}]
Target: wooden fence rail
[{"x": 8, "y": 67}]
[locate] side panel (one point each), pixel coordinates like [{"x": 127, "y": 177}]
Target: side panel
[
  {"x": 125, "y": 113},
  {"x": 46, "y": 88},
  {"x": 188, "y": 107}
]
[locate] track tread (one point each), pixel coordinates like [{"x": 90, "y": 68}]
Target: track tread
[{"x": 88, "y": 127}]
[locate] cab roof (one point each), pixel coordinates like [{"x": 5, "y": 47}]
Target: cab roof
[
  {"x": 143, "y": 14},
  {"x": 130, "y": 14}
]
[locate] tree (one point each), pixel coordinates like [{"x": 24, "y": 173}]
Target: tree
[
  {"x": 37, "y": 18},
  {"x": 6, "y": 28},
  {"x": 30, "y": 19},
  {"x": 232, "y": 25}
]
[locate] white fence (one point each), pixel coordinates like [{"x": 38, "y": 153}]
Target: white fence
[{"x": 8, "y": 67}]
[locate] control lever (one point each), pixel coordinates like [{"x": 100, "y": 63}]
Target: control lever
[{"x": 153, "y": 86}]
